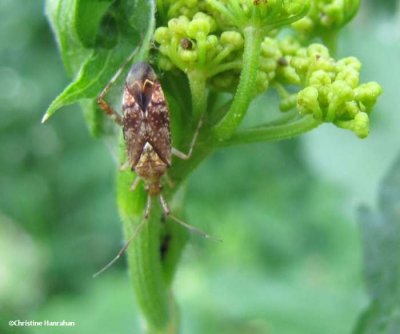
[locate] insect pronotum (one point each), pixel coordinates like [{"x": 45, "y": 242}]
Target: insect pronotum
[{"x": 146, "y": 129}]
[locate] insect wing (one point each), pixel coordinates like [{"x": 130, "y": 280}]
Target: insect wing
[
  {"x": 159, "y": 125},
  {"x": 133, "y": 128}
]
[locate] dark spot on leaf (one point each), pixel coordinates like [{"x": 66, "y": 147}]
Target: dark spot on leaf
[{"x": 164, "y": 246}]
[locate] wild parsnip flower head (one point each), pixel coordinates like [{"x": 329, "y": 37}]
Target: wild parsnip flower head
[
  {"x": 190, "y": 44},
  {"x": 208, "y": 37},
  {"x": 326, "y": 16},
  {"x": 332, "y": 90}
]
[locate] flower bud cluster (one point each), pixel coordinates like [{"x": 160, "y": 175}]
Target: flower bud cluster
[
  {"x": 195, "y": 44},
  {"x": 211, "y": 43},
  {"x": 265, "y": 14},
  {"x": 332, "y": 90},
  {"x": 176, "y": 8},
  {"x": 326, "y": 16}
]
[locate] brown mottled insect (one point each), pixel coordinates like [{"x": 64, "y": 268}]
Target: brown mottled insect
[{"x": 146, "y": 128}]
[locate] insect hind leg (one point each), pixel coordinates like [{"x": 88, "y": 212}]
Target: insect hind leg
[
  {"x": 186, "y": 156},
  {"x": 167, "y": 212},
  {"x": 124, "y": 247}
]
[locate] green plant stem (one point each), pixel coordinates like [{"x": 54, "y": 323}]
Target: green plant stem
[
  {"x": 143, "y": 253},
  {"x": 146, "y": 43},
  {"x": 245, "y": 91},
  {"x": 197, "y": 83},
  {"x": 272, "y": 132},
  {"x": 329, "y": 38}
]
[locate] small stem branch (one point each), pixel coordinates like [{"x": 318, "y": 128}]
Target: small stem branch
[
  {"x": 329, "y": 38},
  {"x": 272, "y": 133},
  {"x": 197, "y": 83},
  {"x": 245, "y": 91}
]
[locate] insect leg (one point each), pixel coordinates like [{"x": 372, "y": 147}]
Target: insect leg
[
  {"x": 125, "y": 166},
  {"x": 148, "y": 207},
  {"x": 135, "y": 183},
  {"x": 191, "y": 228},
  {"x": 124, "y": 248},
  {"x": 101, "y": 98},
  {"x": 169, "y": 180},
  {"x": 186, "y": 156}
]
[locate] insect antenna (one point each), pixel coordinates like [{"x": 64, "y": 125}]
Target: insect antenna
[
  {"x": 191, "y": 228},
  {"x": 123, "y": 249}
]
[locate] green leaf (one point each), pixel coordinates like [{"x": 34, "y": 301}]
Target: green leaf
[
  {"x": 88, "y": 16},
  {"x": 381, "y": 238},
  {"x": 91, "y": 79},
  {"x": 133, "y": 21},
  {"x": 61, "y": 15}
]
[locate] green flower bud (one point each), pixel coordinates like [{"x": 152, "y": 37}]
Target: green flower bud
[
  {"x": 289, "y": 46},
  {"x": 300, "y": 64},
  {"x": 317, "y": 51},
  {"x": 319, "y": 78},
  {"x": 189, "y": 56},
  {"x": 232, "y": 38},
  {"x": 340, "y": 93},
  {"x": 288, "y": 103},
  {"x": 351, "y": 77},
  {"x": 359, "y": 125},
  {"x": 212, "y": 42},
  {"x": 262, "y": 82},
  {"x": 349, "y": 62},
  {"x": 197, "y": 27},
  {"x": 367, "y": 94},
  {"x": 268, "y": 65},
  {"x": 165, "y": 64},
  {"x": 293, "y": 7},
  {"x": 162, "y": 35},
  {"x": 270, "y": 48},
  {"x": 307, "y": 102},
  {"x": 289, "y": 74},
  {"x": 351, "y": 109},
  {"x": 201, "y": 24},
  {"x": 178, "y": 25},
  {"x": 305, "y": 25}
]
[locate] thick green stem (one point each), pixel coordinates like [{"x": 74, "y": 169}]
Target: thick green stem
[
  {"x": 245, "y": 91},
  {"x": 272, "y": 133},
  {"x": 151, "y": 266},
  {"x": 143, "y": 253}
]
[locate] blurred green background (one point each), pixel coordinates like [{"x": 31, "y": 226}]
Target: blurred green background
[{"x": 291, "y": 257}]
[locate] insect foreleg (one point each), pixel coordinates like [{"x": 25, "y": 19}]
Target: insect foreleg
[
  {"x": 125, "y": 166},
  {"x": 101, "y": 99},
  {"x": 186, "y": 156}
]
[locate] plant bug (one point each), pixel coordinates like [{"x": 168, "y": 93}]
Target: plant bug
[{"x": 146, "y": 128}]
